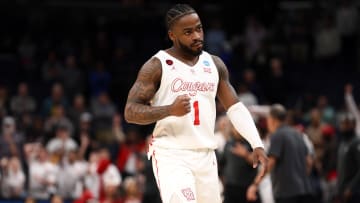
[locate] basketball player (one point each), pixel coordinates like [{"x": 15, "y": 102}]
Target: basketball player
[{"x": 177, "y": 88}]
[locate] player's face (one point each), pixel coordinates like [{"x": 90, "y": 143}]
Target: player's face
[{"x": 187, "y": 34}]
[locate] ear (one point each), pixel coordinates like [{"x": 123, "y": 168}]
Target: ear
[{"x": 171, "y": 35}]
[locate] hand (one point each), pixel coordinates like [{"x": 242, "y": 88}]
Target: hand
[
  {"x": 259, "y": 155},
  {"x": 348, "y": 88},
  {"x": 180, "y": 106},
  {"x": 251, "y": 193}
]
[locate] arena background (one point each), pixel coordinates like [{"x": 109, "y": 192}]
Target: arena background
[{"x": 108, "y": 41}]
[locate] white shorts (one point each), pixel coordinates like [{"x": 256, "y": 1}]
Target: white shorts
[{"x": 189, "y": 176}]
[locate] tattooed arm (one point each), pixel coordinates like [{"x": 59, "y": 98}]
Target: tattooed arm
[{"x": 138, "y": 109}]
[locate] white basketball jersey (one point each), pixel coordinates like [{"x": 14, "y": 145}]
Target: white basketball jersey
[{"x": 194, "y": 130}]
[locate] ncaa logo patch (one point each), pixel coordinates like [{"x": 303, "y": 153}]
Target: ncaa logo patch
[
  {"x": 188, "y": 194},
  {"x": 206, "y": 63}
]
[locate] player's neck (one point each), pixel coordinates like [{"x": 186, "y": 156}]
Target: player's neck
[{"x": 182, "y": 56}]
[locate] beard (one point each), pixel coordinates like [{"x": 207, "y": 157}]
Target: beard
[{"x": 190, "y": 51}]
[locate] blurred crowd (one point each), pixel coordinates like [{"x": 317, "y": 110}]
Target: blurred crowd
[
  {"x": 77, "y": 152},
  {"x": 63, "y": 87}
]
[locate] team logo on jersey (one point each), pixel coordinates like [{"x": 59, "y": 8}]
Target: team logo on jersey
[
  {"x": 169, "y": 62},
  {"x": 206, "y": 63},
  {"x": 188, "y": 194}
]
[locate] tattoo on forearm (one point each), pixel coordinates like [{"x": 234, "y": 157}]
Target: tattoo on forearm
[{"x": 144, "y": 114}]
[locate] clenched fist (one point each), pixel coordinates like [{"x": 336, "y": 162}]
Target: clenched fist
[{"x": 180, "y": 106}]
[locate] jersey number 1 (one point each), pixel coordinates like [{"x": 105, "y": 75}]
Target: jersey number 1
[{"x": 196, "y": 108}]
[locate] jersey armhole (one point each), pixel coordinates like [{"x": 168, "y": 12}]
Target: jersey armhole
[{"x": 159, "y": 85}]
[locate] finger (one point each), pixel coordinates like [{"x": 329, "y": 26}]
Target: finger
[
  {"x": 262, "y": 171},
  {"x": 255, "y": 160},
  {"x": 185, "y": 96}
]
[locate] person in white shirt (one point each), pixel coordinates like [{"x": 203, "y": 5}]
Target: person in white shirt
[
  {"x": 42, "y": 175},
  {"x": 352, "y": 107},
  {"x": 14, "y": 179},
  {"x": 70, "y": 176},
  {"x": 62, "y": 143}
]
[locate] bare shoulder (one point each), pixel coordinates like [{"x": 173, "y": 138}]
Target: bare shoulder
[
  {"x": 222, "y": 69},
  {"x": 151, "y": 70},
  {"x": 146, "y": 83}
]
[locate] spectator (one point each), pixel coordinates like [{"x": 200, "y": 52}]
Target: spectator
[
  {"x": 327, "y": 43},
  {"x": 314, "y": 131},
  {"x": 216, "y": 38},
  {"x": 22, "y": 103},
  {"x": 72, "y": 77},
  {"x": 75, "y": 111},
  {"x": 30, "y": 200},
  {"x": 92, "y": 179},
  {"x": 277, "y": 84},
  {"x": 62, "y": 144},
  {"x": 57, "y": 98},
  {"x": 13, "y": 184},
  {"x": 57, "y": 118},
  {"x": 260, "y": 112},
  {"x": 347, "y": 19},
  {"x": 99, "y": 80},
  {"x": 352, "y": 107},
  {"x": 42, "y": 175},
  {"x": 328, "y": 177},
  {"x": 132, "y": 191},
  {"x": 117, "y": 128},
  {"x": 85, "y": 136},
  {"x": 246, "y": 96},
  {"x": 10, "y": 140},
  {"x": 326, "y": 109},
  {"x": 103, "y": 111},
  {"x": 348, "y": 162},
  {"x": 249, "y": 78},
  {"x": 128, "y": 153},
  {"x": 238, "y": 173},
  {"x": 222, "y": 132},
  {"x": 255, "y": 34},
  {"x": 34, "y": 129},
  {"x": 110, "y": 177},
  {"x": 56, "y": 199},
  {"x": 288, "y": 160},
  {"x": 71, "y": 172},
  {"x": 52, "y": 69}
]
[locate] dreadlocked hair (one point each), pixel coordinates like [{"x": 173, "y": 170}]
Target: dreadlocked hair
[{"x": 176, "y": 12}]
